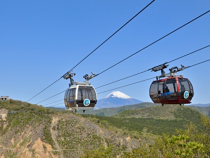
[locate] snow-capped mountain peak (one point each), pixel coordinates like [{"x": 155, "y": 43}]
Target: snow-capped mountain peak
[{"x": 118, "y": 94}]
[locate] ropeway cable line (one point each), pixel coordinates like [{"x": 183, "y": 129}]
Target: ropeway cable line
[
  {"x": 95, "y": 48},
  {"x": 54, "y": 102},
  {"x": 151, "y": 78},
  {"x": 151, "y": 68},
  {"x": 51, "y": 97},
  {"x": 94, "y": 75},
  {"x": 137, "y": 73},
  {"x": 149, "y": 44},
  {"x": 154, "y": 42}
]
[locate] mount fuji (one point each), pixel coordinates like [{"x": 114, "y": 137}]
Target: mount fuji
[{"x": 116, "y": 99}]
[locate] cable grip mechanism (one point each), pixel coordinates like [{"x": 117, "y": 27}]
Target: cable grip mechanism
[{"x": 172, "y": 70}]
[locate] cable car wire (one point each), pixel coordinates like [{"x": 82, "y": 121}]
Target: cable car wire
[
  {"x": 122, "y": 79},
  {"x": 189, "y": 54},
  {"x": 96, "y": 47},
  {"x": 44, "y": 89},
  {"x": 151, "y": 68},
  {"x": 127, "y": 85},
  {"x": 138, "y": 73},
  {"x": 54, "y": 102},
  {"x": 154, "y": 42},
  {"x": 151, "y": 44},
  {"x": 197, "y": 64},
  {"x": 149, "y": 78},
  {"x": 50, "y": 97},
  {"x": 112, "y": 35}
]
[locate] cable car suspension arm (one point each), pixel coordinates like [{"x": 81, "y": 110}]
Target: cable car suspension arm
[{"x": 172, "y": 70}]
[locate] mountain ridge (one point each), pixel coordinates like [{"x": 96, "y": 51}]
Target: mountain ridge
[
  {"x": 113, "y": 111},
  {"x": 200, "y": 105},
  {"x": 116, "y": 99},
  {"x": 34, "y": 131}
]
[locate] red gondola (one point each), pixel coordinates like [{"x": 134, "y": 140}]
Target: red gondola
[{"x": 171, "y": 90}]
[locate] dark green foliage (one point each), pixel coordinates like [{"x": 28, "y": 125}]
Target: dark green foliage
[
  {"x": 202, "y": 110},
  {"x": 188, "y": 143},
  {"x": 158, "y": 112},
  {"x": 189, "y": 115},
  {"x": 155, "y": 126},
  {"x": 101, "y": 114},
  {"x": 208, "y": 114},
  {"x": 183, "y": 116},
  {"x": 114, "y": 111},
  {"x": 101, "y": 152}
]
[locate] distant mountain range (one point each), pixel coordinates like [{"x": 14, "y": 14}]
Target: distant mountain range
[
  {"x": 203, "y": 110},
  {"x": 117, "y": 102},
  {"x": 113, "y": 111},
  {"x": 113, "y": 100},
  {"x": 200, "y": 105},
  {"x": 116, "y": 99},
  {"x": 169, "y": 112}
]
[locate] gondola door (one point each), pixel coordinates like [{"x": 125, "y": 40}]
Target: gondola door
[
  {"x": 161, "y": 91},
  {"x": 72, "y": 98},
  {"x": 170, "y": 90}
]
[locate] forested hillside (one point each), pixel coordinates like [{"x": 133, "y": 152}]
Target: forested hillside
[
  {"x": 113, "y": 111},
  {"x": 33, "y": 131},
  {"x": 203, "y": 110}
]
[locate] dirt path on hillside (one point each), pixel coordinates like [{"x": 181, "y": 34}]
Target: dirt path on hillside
[{"x": 54, "y": 133}]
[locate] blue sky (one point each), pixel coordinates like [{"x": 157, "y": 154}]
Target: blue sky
[{"x": 42, "y": 40}]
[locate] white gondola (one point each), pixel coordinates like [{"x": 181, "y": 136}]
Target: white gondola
[{"x": 80, "y": 95}]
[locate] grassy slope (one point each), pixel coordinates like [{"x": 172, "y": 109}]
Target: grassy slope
[
  {"x": 156, "y": 119},
  {"x": 113, "y": 111},
  {"x": 202, "y": 110},
  {"x": 158, "y": 112},
  {"x": 24, "y": 125},
  {"x": 57, "y": 109},
  {"x": 73, "y": 131},
  {"x": 25, "y": 115},
  {"x": 56, "y": 130}
]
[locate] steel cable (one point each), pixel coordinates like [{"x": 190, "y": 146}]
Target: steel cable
[
  {"x": 96, "y": 48},
  {"x": 154, "y": 42}
]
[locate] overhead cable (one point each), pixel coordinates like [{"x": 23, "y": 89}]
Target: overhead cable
[
  {"x": 50, "y": 97},
  {"x": 112, "y": 35},
  {"x": 151, "y": 68},
  {"x": 122, "y": 79},
  {"x": 44, "y": 89},
  {"x": 189, "y": 53},
  {"x": 154, "y": 42},
  {"x": 139, "y": 72},
  {"x": 96, "y": 48},
  {"x": 54, "y": 102},
  {"x": 149, "y": 78},
  {"x": 197, "y": 64},
  {"x": 127, "y": 85}
]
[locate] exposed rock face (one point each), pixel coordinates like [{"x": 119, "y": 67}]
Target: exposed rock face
[
  {"x": 70, "y": 136},
  {"x": 3, "y": 114},
  {"x": 79, "y": 134},
  {"x": 23, "y": 145}
]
